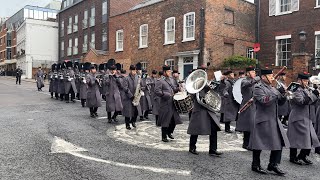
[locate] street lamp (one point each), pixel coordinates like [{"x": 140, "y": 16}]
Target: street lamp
[{"x": 302, "y": 37}]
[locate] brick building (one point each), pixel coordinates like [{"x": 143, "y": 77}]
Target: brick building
[
  {"x": 181, "y": 33},
  {"x": 84, "y": 25},
  {"x": 280, "y": 25}
]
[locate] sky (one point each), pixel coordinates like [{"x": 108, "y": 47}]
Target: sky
[{"x": 10, "y": 7}]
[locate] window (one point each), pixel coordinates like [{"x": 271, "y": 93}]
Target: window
[
  {"x": 85, "y": 44},
  {"x": 92, "y": 18},
  {"x": 45, "y": 15},
  {"x": 75, "y": 25},
  {"x": 285, "y": 6},
  {"x": 85, "y": 19},
  {"x": 104, "y": 39},
  {"x": 70, "y": 25},
  {"x": 75, "y": 48},
  {"x": 144, "y": 65},
  {"x": 8, "y": 53},
  {"x": 70, "y": 47},
  {"x": 250, "y": 53},
  {"x": 62, "y": 49},
  {"x": 189, "y": 27},
  {"x": 317, "y": 53},
  {"x": 30, "y": 13},
  {"x": 65, "y": 4},
  {"x": 119, "y": 40},
  {"x": 283, "y": 51},
  {"x": 143, "y": 40},
  {"x": 229, "y": 16},
  {"x": 93, "y": 40},
  {"x": 170, "y": 62},
  {"x": 318, "y": 3},
  {"x": 169, "y": 35},
  {"x": 36, "y": 14},
  {"x": 104, "y": 8},
  {"x": 62, "y": 28}
]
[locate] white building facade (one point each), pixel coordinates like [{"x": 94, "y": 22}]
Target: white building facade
[{"x": 37, "y": 45}]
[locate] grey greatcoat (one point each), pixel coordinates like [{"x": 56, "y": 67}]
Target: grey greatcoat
[
  {"x": 156, "y": 99},
  {"x": 93, "y": 94},
  {"x": 129, "y": 86},
  {"x": 61, "y": 88},
  {"x": 267, "y": 132},
  {"x": 220, "y": 90},
  {"x": 55, "y": 82},
  {"x": 103, "y": 88},
  {"x": 230, "y": 105},
  {"x": 69, "y": 83},
  {"x": 313, "y": 109},
  {"x": 113, "y": 96},
  {"x": 151, "y": 84},
  {"x": 51, "y": 84},
  {"x": 246, "y": 118},
  {"x": 39, "y": 78},
  {"x": 83, "y": 87},
  {"x": 201, "y": 118},
  {"x": 301, "y": 132},
  {"x": 317, "y": 124},
  {"x": 284, "y": 109},
  {"x": 123, "y": 95},
  {"x": 145, "y": 101},
  {"x": 165, "y": 90}
]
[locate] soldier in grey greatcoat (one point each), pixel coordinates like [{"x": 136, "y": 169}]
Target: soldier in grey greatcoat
[
  {"x": 232, "y": 106},
  {"x": 76, "y": 69},
  {"x": 145, "y": 101},
  {"x": 113, "y": 96},
  {"x": 55, "y": 82},
  {"x": 168, "y": 115},
  {"x": 103, "y": 88},
  {"x": 93, "y": 94},
  {"x": 61, "y": 88},
  {"x": 39, "y": 79},
  {"x": 246, "y": 118},
  {"x": 156, "y": 99},
  {"x": 130, "y": 112},
  {"x": 283, "y": 110},
  {"x": 85, "y": 68},
  {"x": 267, "y": 132},
  {"x": 317, "y": 125},
  {"x": 203, "y": 122},
  {"x": 70, "y": 83},
  {"x": 301, "y": 132}
]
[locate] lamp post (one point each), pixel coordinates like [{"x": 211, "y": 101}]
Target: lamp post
[{"x": 302, "y": 37}]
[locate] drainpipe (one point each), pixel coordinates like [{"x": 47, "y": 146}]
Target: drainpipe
[
  {"x": 257, "y": 3},
  {"x": 201, "y": 40}
]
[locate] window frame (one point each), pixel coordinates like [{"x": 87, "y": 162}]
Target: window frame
[
  {"x": 85, "y": 43},
  {"x": 185, "y": 39},
  {"x": 69, "y": 31},
  {"x": 117, "y": 40},
  {"x": 62, "y": 49},
  {"x": 278, "y": 39},
  {"x": 166, "y": 31},
  {"x": 69, "y": 47},
  {"x": 144, "y": 65},
  {"x": 233, "y": 19},
  {"x": 317, "y": 38},
  {"x": 171, "y": 64},
  {"x": 141, "y": 36},
  {"x": 76, "y": 22},
  {"x": 250, "y": 53},
  {"x": 317, "y": 4},
  {"x": 93, "y": 40},
  {"x": 104, "y": 9},
  {"x": 75, "y": 47}
]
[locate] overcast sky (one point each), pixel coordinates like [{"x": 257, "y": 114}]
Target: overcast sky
[{"x": 10, "y": 7}]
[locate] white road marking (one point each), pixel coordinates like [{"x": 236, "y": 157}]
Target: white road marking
[
  {"x": 102, "y": 118},
  {"x": 61, "y": 146}
]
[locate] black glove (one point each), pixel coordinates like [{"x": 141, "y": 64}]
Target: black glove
[
  {"x": 132, "y": 98},
  {"x": 282, "y": 90},
  {"x": 316, "y": 92}
]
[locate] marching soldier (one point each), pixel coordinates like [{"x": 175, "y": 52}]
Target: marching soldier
[
  {"x": 168, "y": 115},
  {"x": 19, "y": 73},
  {"x": 52, "y": 80},
  {"x": 232, "y": 107},
  {"x": 156, "y": 99},
  {"x": 61, "y": 81},
  {"x": 145, "y": 101},
  {"x": 56, "y": 82},
  {"x": 246, "y": 118},
  {"x": 203, "y": 122},
  {"x": 83, "y": 83},
  {"x": 242, "y": 74},
  {"x": 284, "y": 110},
  {"x": 301, "y": 132},
  {"x": 77, "y": 67},
  {"x": 39, "y": 79},
  {"x": 267, "y": 132},
  {"x": 113, "y": 96},
  {"x": 130, "y": 112},
  {"x": 93, "y": 94},
  {"x": 103, "y": 88},
  {"x": 317, "y": 127},
  {"x": 70, "y": 85}
]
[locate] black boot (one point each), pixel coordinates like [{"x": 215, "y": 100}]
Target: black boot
[
  {"x": 276, "y": 169},
  {"x": 193, "y": 151},
  {"x": 258, "y": 169}
]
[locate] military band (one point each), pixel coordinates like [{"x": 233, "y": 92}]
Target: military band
[{"x": 266, "y": 107}]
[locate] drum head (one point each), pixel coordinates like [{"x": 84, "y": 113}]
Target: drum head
[
  {"x": 180, "y": 96},
  {"x": 236, "y": 91}
]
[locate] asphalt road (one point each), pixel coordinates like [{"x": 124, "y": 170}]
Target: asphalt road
[{"x": 46, "y": 139}]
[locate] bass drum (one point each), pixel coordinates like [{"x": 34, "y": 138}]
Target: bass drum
[
  {"x": 183, "y": 102},
  {"x": 236, "y": 91}
]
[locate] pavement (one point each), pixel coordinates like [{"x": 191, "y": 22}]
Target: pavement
[{"x": 46, "y": 139}]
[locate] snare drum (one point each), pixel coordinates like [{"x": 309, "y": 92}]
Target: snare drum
[{"x": 183, "y": 102}]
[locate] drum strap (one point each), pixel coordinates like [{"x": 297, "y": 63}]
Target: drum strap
[{"x": 170, "y": 85}]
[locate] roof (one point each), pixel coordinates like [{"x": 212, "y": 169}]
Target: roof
[
  {"x": 122, "y": 6},
  {"x": 144, "y": 4}
]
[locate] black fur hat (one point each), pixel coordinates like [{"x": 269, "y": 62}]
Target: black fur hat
[
  {"x": 139, "y": 66},
  {"x": 69, "y": 64},
  {"x": 118, "y": 66},
  {"x": 101, "y": 67},
  {"x": 53, "y": 67}
]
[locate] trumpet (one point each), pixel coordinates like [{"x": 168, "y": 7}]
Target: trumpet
[{"x": 99, "y": 78}]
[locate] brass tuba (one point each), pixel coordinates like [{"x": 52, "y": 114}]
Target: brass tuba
[{"x": 195, "y": 82}]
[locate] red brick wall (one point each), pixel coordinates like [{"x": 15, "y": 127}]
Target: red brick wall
[{"x": 307, "y": 19}]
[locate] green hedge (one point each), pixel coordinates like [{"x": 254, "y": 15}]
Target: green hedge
[{"x": 238, "y": 62}]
